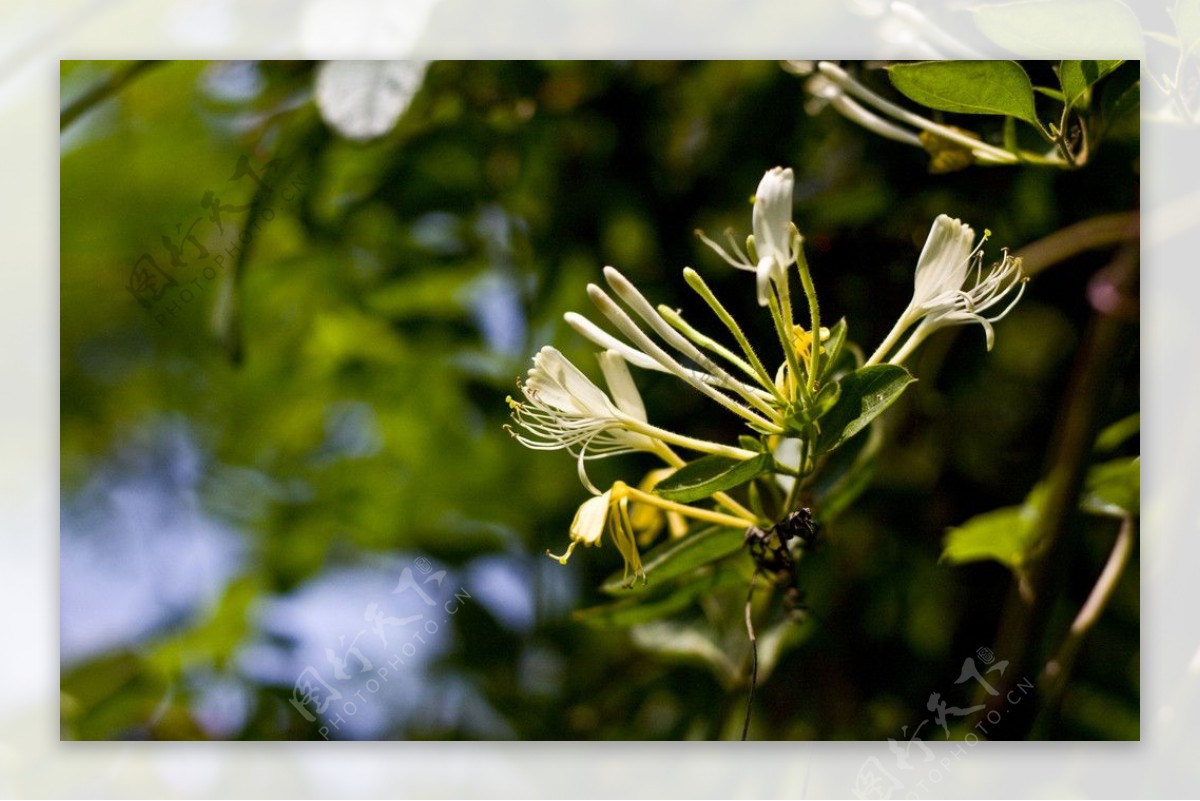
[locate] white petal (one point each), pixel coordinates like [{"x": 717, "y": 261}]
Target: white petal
[
  {"x": 620, "y": 383},
  {"x": 942, "y": 266},
  {"x": 772, "y": 213},
  {"x": 766, "y": 271},
  {"x": 562, "y": 385},
  {"x": 588, "y": 524}
]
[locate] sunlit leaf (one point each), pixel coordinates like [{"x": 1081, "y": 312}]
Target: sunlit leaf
[
  {"x": 700, "y": 479},
  {"x": 1077, "y": 78},
  {"x": 1006, "y": 535},
  {"x": 968, "y": 87},
  {"x": 1114, "y": 488},
  {"x": 865, "y": 394},
  {"x": 1114, "y": 435}
]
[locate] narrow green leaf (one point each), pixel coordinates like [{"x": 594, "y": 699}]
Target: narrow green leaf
[
  {"x": 832, "y": 348},
  {"x": 1114, "y": 488},
  {"x": 751, "y": 443},
  {"x": 1112, "y": 436},
  {"x": 865, "y": 394},
  {"x": 674, "y": 558},
  {"x": 1078, "y": 77},
  {"x": 630, "y": 611},
  {"x": 968, "y": 87},
  {"x": 701, "y": 478}
]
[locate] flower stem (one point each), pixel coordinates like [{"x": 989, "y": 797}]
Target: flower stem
[
  {"x": 706, "y": 515},
  {"x": 691, "y": 443},
  {"x": 702, "y": 340},
  {"x": 697, "y": 283},
  {"x": 814, "y": 312},
  {"x": 890, "y": 340}
]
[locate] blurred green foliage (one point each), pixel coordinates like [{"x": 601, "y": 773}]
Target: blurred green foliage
[{"x": 343, "y": 375}]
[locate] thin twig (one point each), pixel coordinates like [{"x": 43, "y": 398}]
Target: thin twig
[
  {"x": 753, "y": 658},
  {"x": 110, "y": 85},
  {"x": 1092, "y": 234},
  {"x": 1054, "y": 675}
]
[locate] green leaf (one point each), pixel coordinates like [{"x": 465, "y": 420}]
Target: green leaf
[
  {"x": 687, "y": 642},
  {"x": 865, "y": 394},
  {"x": 752, "y": 443},
  {"x": 1112, "y": 436},
  {"x": 630, "y": 611},
  {"x": 1046, "y": 29},
  {"x": 1077, "y": 78},
  {"x": 699, "y": 479},
  {"x": 1113, "y": 489},
  {"x": 826, "y": 399},
  {"x": 1120, "y": 103},
  {"x": 968, "y": 87},
  {"x": 843, "y": 477},
  {"x": 832, "y": 348},
  {"x": 674, "y": 558},
  {"x": 1006, "y": 535}
]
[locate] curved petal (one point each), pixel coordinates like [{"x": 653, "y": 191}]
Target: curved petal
[
  {"x": 624, "y": 392},
  {"x": 942, "y": 265},
  {"x": 766, "y": 273},
  {"x": 589, "y": 521},
  {"x": 772, "y": 213},
  {"x": 561, "y": 384}
]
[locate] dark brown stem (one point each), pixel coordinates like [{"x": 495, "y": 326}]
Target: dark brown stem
[{"x": 1024, "y": 623}]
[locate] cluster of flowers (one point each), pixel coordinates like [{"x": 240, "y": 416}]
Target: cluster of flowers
[{"x": 564, "y": 409}]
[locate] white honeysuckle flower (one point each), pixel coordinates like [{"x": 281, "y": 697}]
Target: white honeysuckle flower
[
  {"x": 608, "y": 510},
  {"x": 939, "y": 297},
  {"x": 564, "y": 409},
  {"x": 776, "y": 241}
]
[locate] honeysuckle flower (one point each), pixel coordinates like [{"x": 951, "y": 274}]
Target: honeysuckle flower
[
  {"x": 563, "y": 409},
  {"x": 609, "y": 511},
  {"x": 775, "y": 245},
  {"x": 939, "y": 297}
]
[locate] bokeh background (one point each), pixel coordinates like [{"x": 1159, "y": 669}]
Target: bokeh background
[{"x": 271, "y": 468}]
